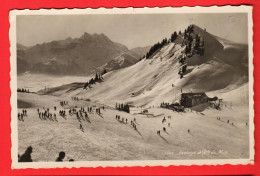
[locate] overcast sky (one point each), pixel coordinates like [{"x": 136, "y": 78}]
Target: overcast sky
[{"x": 130, "y": 30}]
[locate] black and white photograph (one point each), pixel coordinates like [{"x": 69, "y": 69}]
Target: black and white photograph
[{"x": 131, "y": 87}]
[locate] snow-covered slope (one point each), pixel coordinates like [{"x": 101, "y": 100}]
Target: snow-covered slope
[
  {"x": 154, "y": 80},
  {"x": 121, "y": 61}
]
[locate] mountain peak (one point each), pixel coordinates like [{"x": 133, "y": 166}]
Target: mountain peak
[
  {"x": 96, "y": 37},
  {"x": 85, "y": 35},
  {"x": 100, "y": 36},
  {"x": 198, "y": 28}
]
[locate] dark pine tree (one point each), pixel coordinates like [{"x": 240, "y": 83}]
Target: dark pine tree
[
  {"x": 96, "y": 77},
  {"x": 173, "y": 36},
  {"x": 105, "y": 71},
  {"x": 185, "y": 34}
]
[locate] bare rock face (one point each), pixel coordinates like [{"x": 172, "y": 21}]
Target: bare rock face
[{"x": 70, "y": 56}]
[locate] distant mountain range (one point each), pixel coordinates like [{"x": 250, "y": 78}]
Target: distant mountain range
[
  {"x": 78, "y": 56},
  {"x": 124, "y": 60}
]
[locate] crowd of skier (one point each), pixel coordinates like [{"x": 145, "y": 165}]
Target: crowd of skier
[
  {"x": 22, "y": 114},
  {"x": 125, "y": 121},
  {"x": 47, "y": 115},
  {"x": 83, "y": 114},
  {"x": 63, "y": 103}
]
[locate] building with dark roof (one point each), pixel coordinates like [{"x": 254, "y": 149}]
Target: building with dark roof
[{"x": 193, "y": 99}]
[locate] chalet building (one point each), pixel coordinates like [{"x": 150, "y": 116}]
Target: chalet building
[{"x": 193, "y": 99}]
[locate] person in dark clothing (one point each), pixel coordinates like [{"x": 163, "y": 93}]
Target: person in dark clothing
[
  {"x": 81, "y": 127},
  {"x": 61, "y": 157},
  {"x": 26, "y": 157},
  {"x": 19, "y": 116}
]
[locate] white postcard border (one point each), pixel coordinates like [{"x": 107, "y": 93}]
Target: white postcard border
[{"x": 130, "y": 10}]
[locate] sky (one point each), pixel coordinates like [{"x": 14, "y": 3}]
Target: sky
[{"x": 131, "y": 30}]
